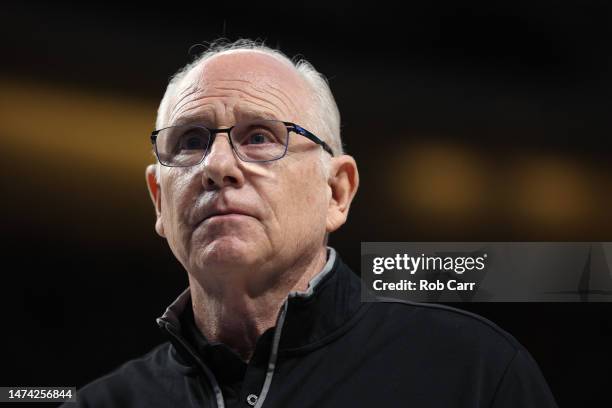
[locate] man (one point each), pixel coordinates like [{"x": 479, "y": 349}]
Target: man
[{"x": 250, "y": 180}]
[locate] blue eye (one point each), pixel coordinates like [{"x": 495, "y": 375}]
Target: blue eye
[{"x": 257, "y": 138}]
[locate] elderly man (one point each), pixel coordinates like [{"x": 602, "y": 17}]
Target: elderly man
[{"x": 250, "y": 180}]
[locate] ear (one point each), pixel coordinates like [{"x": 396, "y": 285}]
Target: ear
[
  {"x": 343, "y": 182},
  {"x": 155, "y": 193}
]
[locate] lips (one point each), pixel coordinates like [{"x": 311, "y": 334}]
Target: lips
[
  {"x": 217, "y": 211},
  {"x": 225, "y": 212}
]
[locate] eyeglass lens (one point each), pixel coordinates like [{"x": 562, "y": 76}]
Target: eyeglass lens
[{"x": 256, "y": 141}]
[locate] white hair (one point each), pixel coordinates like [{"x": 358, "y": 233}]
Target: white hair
[{"x": 324, "y": 116}]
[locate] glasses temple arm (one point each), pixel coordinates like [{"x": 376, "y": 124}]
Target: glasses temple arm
[{"x": 300, "y": 130}]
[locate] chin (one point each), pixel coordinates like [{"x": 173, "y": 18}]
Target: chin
[{"x": 227, "y": 253}]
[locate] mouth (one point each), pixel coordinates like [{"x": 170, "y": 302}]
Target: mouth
[{"x": 225, "y": 215}]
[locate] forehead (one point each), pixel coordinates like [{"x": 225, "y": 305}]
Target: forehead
[{"x": 247, "y": 81}]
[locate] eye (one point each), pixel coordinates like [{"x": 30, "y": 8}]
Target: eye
[
  {"x": 192, "y": 140},
  {"x": 258, "y": 137},
  {"x": 193, "y": 143}
]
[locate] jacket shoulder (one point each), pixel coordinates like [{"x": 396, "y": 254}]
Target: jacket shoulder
[
  {"x": 447, "y": 325},
  {"x": 463, "y": 346}
]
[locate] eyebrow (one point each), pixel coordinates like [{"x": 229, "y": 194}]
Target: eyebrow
[
  {"x": 207, "y": 118},
  {"x": 242, "y": 114},
  {"x": 193, "y": 120}
]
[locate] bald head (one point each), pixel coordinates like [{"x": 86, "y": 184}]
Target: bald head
[
  {"x": 298, "y": 85},
  {"x": 248, "y": 79}
]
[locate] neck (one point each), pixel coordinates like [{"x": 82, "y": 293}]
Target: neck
[{"x": 233, "y": 315}]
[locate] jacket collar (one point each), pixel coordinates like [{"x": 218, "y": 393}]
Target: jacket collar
[{"x": 313, "y": 317}]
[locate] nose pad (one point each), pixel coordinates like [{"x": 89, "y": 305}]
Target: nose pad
[
  {"x": 220, "y": 166},
  {"x": 216, "y": 148}
]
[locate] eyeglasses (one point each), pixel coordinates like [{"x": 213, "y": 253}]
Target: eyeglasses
[{"x": 260, "y": 140}]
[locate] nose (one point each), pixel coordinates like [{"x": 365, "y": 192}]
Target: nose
[{"x": 220, "y": 166}]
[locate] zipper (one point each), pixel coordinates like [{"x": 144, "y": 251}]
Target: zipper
[
  {"x": 211, "y": 377},
  {"x": 280, "y": 321}
]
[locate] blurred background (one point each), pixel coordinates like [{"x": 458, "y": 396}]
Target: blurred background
[{"x": 469, "y": 122}]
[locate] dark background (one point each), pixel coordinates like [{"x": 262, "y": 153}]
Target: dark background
[{"x": 469, "y": 122}]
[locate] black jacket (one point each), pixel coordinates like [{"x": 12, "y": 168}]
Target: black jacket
[{"x": 329, "y": 349}]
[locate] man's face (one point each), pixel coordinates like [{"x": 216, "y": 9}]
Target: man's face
[{"x": 229, "y": 217}]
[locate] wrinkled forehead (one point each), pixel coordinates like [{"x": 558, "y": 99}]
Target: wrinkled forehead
[{"x": 250, "y": 70}]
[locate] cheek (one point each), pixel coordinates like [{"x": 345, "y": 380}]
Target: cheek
[
  {"x": 305, "y": 193},
  {"x": 176, "y": 197}
]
